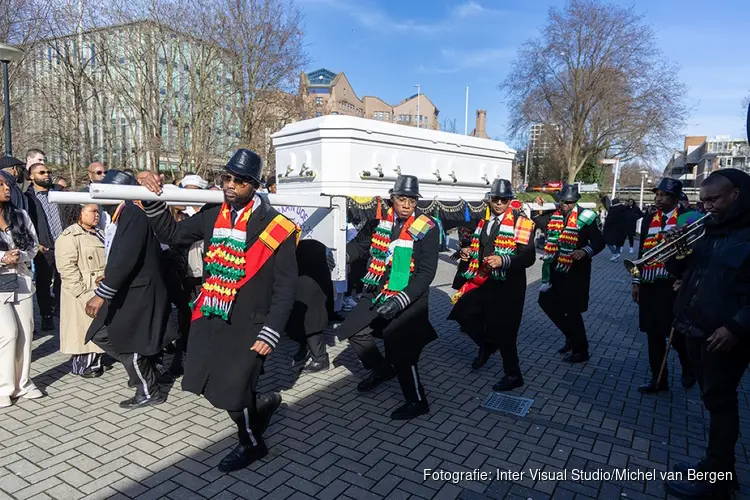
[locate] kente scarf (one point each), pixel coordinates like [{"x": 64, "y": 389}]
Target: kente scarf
[
  {"x": 398, "y": 254},
  {"x": 505, "y": 244},
  {"x": 225, "y": 262},
  {"x": 654, "y": 271},
  {"x": 562, "y": 240}
]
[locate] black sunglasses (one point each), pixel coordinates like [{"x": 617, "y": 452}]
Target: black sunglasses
[
  {"x": 238, "y": 181},
  {"x": 497, "y": 199}
]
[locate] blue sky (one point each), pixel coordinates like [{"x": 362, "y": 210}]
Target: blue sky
[{"x": 386, "y": 47}]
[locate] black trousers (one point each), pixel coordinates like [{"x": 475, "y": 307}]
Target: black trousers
[
  {"x": 247, "y": 425},
  {"x": 719, "y": 375},
  {"x": 141, "y": 370},
  {"x": 370, "y": 356},
  {"x": 657, "y": 349},
  {"x": 569, "y": 322},
  {"x": 316, "y": 343},
  {"x": 47, "y": 278}
]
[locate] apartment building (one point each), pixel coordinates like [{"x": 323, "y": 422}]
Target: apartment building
[
  {"x": 331, "y": 93},
  {"x": 700, "y": 156},
  {"x": 541, "y": 141}
]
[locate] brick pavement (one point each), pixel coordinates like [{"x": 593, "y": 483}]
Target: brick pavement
[{"x": 329, "y": 442}]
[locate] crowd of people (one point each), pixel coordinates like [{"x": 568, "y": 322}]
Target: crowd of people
[{"x": 239, "y": 278}]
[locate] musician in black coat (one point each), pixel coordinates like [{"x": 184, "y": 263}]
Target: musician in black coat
[
  {"x": 655, "y": 295},
  {"x": 401, "y": 319},
  {"x": 564, "y": 294},
  {"x": 131, "y": 308},
  {"x": 230, "y": 338},
  {"x": 491, "y": 314}
]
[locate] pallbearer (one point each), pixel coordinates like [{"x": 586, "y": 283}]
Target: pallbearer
[
  {"x": 249, "y": 282},
  {"x": 403, "y": 254},
  {"x": 573, "y": 238},
  {"x": 490, "y": 305}
]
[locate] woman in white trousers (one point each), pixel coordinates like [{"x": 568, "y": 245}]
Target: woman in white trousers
[{"x": 18, "y": 246}]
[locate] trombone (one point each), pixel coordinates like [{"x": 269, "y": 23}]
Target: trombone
[{"x": 679, "y": 246}]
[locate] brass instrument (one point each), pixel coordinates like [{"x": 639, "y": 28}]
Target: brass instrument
[{"x": 680, "y": 246}]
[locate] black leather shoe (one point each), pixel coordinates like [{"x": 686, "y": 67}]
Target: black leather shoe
[
  {"x": 683, "y": 469},
  {"x": 242, "y": 456},
  {"x": 266, "y": 404},
  {"x": 89, "y": 373},
  {"x": 411, "y": 410},
  {"x": 48, "y": 323},
  {"x": 315, "y": 366},
  {"x": 375, "y": 379},
  {"x": 688, "y": 381},
  {"x": 576, "y": 357},
  {"x": 698, "y": 489},
  {"x": 140, "y": 401},
  {"x": 652, "y": 388},
  {"x": 508, "y": 383},
  {"x": 564, "y": 349},
  {"x": 177, "y": 367},
  {"x": 482, "y": 357}
]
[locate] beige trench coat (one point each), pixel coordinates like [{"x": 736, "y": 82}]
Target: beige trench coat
[{"x": 80, "y": 260}]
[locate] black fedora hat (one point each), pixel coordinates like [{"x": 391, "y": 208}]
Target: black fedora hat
[
  {"x": 501, "y": 188},
  {"x": 119, "y": 177},
  {"x": 569, "y": 192},
  {"x": 246, "y": 164},
  {"x": 671, "y": 186},
  {"x": 9, "y": 162},
  {"x": 406, "y": 185}
]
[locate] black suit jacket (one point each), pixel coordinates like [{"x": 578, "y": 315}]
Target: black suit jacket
[{"x": 39, "y": 218}]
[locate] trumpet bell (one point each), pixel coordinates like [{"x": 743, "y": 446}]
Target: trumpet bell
[{"x": 632, "y": 268}]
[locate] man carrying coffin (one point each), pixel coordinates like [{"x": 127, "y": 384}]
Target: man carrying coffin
[
  {"x": 249, "y": 282},
  {"x": 403, "y": 255},
  {"x": 489, "y": 306},
  {"x": 573, "y": 238}
]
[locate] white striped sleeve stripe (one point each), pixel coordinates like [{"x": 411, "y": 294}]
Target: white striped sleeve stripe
[
  {"x": 402, "y": 300},
  {"x": 506, "y": 261},
  {"x": 269, "y": 336},
  {"x": 588, "y": 250},
  {"x": 155, "y": 208},
  {"x": 636, "y": 281},
  {"x": 105, "y": 292}
]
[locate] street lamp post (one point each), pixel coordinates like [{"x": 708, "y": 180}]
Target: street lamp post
[
  {"x": 616, "y": 163},
  {"x": 418, "y": 112},
  {"x": 8, "y": 53},
  {"x": 644, "y": 176}
]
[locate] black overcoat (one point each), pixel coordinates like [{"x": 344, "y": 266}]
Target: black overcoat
[
  {"x": 571, "y": 289},
  {"x": 497, "y": 305},
  {"x": 617, "y": 225},
  {"x": 313, "y": 302},
  {"x": 220, "y": 364},
  {"x": 39, "y": 217},
  {"x": 136, "y": 310},
  {"x": 410, "y": 331}
]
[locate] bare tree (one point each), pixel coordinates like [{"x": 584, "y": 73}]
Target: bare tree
[
  {"x": 449, "y": 125},
  {"x": 595, "y": 76}
]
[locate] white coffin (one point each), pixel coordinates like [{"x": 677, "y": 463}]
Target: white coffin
[{"x": 352, "y": 156}]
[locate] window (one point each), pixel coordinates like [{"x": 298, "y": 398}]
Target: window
[
  {"x": 374, "y": 115},
  {"x": 122, "y": 60},
  {"x": 93, "y": 56},
  {"x": 318, "y": 113},
  {"x": 318, "y": 100},
  {"x": 162, "y": 92},
  {"x": 387, "y": 116}
]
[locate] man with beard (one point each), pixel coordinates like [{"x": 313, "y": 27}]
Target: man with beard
[
  {"x": 11, "y": 169},
  {"x": 489, "y": 308},
  {"x": 654, "y": 290},
  {"x": 131, "y": 307},
  {"x": 403, "y": 255},
  {"x": 573, "y": 238},
  {"x": 250, "y": 276},
  {"x": 48, "y": 222},
  {"x": 712, "y": 310}
]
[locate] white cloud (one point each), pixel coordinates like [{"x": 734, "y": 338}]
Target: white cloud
[{"x": 473, "y": 9}]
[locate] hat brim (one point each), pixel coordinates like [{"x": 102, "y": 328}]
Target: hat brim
[
  {"x": 240, "y": 173},
  {"x": 676, "y": 195},
  {"x": 568, "y": 198},
  {"x": 403, "y": 193}
]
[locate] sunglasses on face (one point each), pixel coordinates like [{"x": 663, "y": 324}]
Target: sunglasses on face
[
  {"x": 405, "y": 200},
  {"x": 43, "y": 172},
  {"x": 99, "y": 172},
  {"x": 238, "y": 181}
]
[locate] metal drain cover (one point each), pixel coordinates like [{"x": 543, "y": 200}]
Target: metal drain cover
[{"x": 497, "y": 401}]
